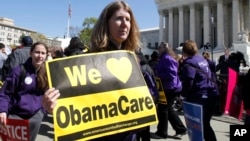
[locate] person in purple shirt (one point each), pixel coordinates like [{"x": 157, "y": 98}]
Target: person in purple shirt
[
  {"x": 198, "y": 86},
  {"x": 167, "y": 71},
  {"x": 21, "y": 98}
]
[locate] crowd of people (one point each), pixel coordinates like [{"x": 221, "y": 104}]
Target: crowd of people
[{"x": 191, "y": 77}]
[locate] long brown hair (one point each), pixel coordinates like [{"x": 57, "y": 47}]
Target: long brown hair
[{"x": 167, "y": 49}]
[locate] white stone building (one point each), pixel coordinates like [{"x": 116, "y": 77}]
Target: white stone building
[
  {"x": 149, "y": 39},
  {"x": 10, "y": 34},
  {"x": 205, "y": 21}
]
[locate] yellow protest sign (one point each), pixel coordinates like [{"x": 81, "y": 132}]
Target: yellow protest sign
[
  {"x": 162, "y": 97},
  {"x": 101, "y": 94}
]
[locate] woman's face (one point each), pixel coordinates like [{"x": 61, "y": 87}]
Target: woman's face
[
  {"x": 38, "y": 55},
  {"x": 119, "y": 26}
]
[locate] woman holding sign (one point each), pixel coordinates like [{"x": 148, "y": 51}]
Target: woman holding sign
[
  {"x": 22, "y": 92},
  {"x": 116, "y": 29},
  {"x": 167, "y": 71}
]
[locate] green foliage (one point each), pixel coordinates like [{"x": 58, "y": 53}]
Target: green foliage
[
  {"x": 38, "y": 37},
  {"x": 89, "y": 23},
  {"x": 20, "y": 38},
  {"x": 85, "y": 33}
]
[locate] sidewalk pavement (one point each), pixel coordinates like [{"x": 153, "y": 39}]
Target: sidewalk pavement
[{"x": 220, "y": 124}]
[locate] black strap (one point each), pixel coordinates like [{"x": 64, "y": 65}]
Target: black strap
[
  {"x": 22, "y": 73},
  {"x": 21, "y": 76}
]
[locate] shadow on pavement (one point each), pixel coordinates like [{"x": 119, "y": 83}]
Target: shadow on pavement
[
  {"x": 155, "y": 136},
  {"x": 46, "y": 128}
]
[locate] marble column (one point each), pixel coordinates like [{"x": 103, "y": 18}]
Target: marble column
[
  {"x": 161, "y": 30},
  {"x": 227, "y": 26},
  {"x": 192, "y": 22},
  {"x": 206, "y": 23},
  {"x": 198, "y": 27},
  {"x": 181, "y": 25},
  {"x": 166, "y": 29},
  {"x": 248, "y": 16},
  {"x": 220, "y": 25},
  {"x": 170, "y": 27},
  {"x": 242, "y": 18},
  {"x": 236, "y": 19}
]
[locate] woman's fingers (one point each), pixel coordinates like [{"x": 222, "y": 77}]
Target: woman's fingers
[
  {"x": 49, "y": 99},
  {"x": 3, "y": 118}
]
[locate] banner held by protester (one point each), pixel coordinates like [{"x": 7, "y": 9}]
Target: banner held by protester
[
  {"x": 162, "y": 96},
  {"x": 101, "y": 94},
  {"x": 234, "y": 103},
  {"x": 193, "y": 116},
  {"x": 15, "y": 130}
]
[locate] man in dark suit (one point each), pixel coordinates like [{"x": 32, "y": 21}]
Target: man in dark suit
[{"x": 223, "y": 64}]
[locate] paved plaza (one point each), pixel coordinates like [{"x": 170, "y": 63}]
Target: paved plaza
[{"x": 220, "y": 125}]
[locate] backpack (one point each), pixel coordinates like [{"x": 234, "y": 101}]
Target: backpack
[
  {"x": 6, "y": 68},
  {"x": 22, "y": 74},
  {"x": 21, "y": 77}
]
